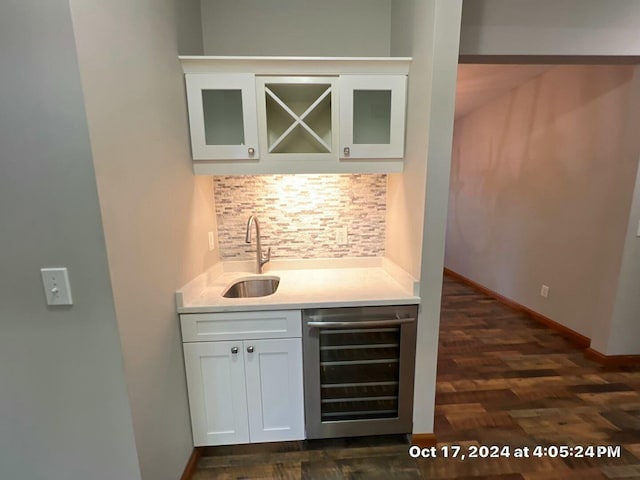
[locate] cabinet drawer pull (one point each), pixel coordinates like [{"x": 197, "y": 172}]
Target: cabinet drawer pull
[
  {"x": 347, "y": 151},
  {"x": 234, "y": 350},
  {"x": 250, "y": 349},
  {"x": 251, "y": 152}
]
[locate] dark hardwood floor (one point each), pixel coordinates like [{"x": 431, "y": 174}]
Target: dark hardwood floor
[{"x": 503, "y": 380}]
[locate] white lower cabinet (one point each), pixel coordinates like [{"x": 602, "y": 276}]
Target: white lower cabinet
[
  {"x": 275, "y": 399},
  {"x": 243, "y": 391},
  {"x": 217, "y": 393}
]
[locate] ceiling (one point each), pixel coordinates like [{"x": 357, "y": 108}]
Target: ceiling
[{"x": 479, "y": 84}]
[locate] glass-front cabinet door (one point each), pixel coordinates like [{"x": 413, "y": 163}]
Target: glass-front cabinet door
[
  {"x": 222, "y": 116},
  {"x": 372, "y": 116}
]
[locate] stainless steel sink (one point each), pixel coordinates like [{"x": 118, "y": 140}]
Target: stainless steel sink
[{"x": 253, "y": 287}]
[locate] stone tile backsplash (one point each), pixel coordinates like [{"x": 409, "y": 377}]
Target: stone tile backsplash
[{"x": 299, "y": 215}]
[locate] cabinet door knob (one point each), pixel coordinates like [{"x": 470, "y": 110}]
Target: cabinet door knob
[
  {"x": 234, "y": 350},
  {"x": 251, "y": 151},
  {"x": 347, "y": 151},
  {"x": 250, "y": 349}
]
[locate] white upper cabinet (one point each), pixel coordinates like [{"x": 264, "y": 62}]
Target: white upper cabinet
[
  {"x": 274, "y": 115},
  {"x": 222, "y": 116},
  {"x": 372, "y": 116}
]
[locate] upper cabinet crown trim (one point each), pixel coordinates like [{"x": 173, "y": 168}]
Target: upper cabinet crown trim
[{"x": 296, "y": 65}]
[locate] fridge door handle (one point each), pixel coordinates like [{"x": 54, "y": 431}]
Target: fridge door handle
[{"x": 366, "y": 323}]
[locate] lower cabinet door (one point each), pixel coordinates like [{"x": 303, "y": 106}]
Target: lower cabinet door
[
  {"x": 217, "y": 395},
  {"x": 275, "y": 397}
]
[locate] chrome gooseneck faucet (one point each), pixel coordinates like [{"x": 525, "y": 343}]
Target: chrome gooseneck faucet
[{"x": 260, "y": 258}]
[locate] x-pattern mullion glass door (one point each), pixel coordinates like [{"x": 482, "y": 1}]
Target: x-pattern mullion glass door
[{"x": 299, "y": 116}]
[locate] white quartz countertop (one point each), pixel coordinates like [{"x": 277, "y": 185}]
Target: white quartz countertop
[{"x": 303, "y": 284}]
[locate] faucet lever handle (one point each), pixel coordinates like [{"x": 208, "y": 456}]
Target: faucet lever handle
[{"x": 266, "y": 256}]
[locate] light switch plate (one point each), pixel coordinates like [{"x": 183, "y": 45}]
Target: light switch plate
[
  {"x": 57, "y": 290},
  {"x": 341, "y": 236},
  {"x": 544, "y": 291},
  {"x": 212, "y": 243}
]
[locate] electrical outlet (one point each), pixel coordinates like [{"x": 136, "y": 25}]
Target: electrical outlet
[
  {"x": 341, "y": 236},
  {"x": 212, "y": 243},
  {"x": 544, "y": 291},
  {"x": 57, "y": 290}
]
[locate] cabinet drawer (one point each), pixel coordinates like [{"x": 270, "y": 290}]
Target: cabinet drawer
[{"x": 209, "y": 327}]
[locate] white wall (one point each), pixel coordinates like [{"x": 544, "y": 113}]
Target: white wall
[
  {"x": 417, "y": 199},
  {"x": 64, "y": 412},
  {"x": 541, "y": 185},
  {"x": 550, "y": 27},
  {"x": 156, "y": 213},
  {"x": 411, "y": 36},
  {"x": 619, "y": 334},
  {"x": 296, "y": 27},
  {"x": 189, "y": 27}
]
